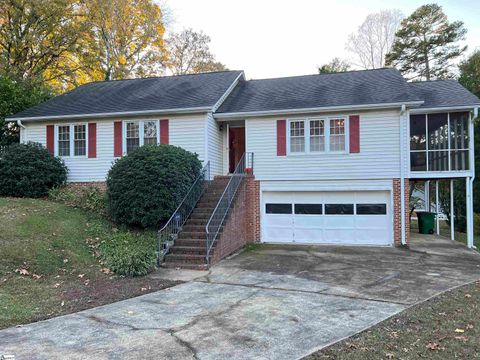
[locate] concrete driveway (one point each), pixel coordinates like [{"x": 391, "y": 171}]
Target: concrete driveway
[{"x": 275, "y": 302}]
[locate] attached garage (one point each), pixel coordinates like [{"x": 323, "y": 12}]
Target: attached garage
[{"x": 343, "y": 217}]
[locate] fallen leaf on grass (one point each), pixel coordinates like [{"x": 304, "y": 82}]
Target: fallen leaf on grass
[
  {"x": 81, "y": 276},
  {"x": 433, "y": 346},
  {"x": 22, "y": 271},
  {"x": 36, "y": 277},
  {"x": 106, "y": 270}
]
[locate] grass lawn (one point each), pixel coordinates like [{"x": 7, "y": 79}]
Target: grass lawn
[
  {"x": 446, "y": 327},
  {"x": 47, "y": 267}
]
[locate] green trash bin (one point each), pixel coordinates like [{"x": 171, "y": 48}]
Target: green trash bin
[{"x": 426, "y": 222}]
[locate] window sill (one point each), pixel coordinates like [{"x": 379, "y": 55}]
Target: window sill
[{"x": 327, "y": 153}]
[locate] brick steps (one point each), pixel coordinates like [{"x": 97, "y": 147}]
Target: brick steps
[
  {"x": 189, "y": 250},
  {"x": 182, "y": 265}
]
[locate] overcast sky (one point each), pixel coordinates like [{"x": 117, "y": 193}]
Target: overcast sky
[{"x": 272, "y": 38}]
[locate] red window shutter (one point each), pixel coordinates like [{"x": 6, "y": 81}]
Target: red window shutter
[
  {"x": 281, "y": 137},
  {"x": 92, "y": 140},
  {"x": 51, "y": 139},
  {"x": 164, "y": 131},
  {"x": 354, "y": 128},
  {"x": 117, "y": 139}
]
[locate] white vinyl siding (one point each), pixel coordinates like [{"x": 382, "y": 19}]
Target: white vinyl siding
[
  {"x": 215, "y": 146},
  {"x": 379, "y": 155},
  {"x": 186, "y": 132}
]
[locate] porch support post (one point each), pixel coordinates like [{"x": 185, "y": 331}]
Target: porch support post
[
  {"x": 469, "y": 216},
  {"x": 452, "y": 212},
  {"x": 437, "y": 207}
]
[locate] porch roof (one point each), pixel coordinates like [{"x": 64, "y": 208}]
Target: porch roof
[{"x": 443, "y": 94}]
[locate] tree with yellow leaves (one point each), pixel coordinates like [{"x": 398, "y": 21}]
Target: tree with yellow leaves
[
  {"x": 66, "y": 43},
  {"x": 35, "y": 35},
  {"x": 124, "y": 38}
]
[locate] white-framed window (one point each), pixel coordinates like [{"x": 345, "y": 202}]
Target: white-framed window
[
  {"x": 71, "y": 140},
  {"x": 297, "y": 136},
  {"x": 337, "y": 134},
  {"x": 137, "y": 133},
  {"x": 317, "y": 135}
]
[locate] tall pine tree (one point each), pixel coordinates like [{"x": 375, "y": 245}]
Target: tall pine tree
[{"x": 426, "y": 44}]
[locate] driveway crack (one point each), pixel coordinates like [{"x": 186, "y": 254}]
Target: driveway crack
[{"x": 183, "y": 343}]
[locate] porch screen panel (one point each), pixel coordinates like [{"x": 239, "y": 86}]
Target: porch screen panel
[
  {"x": 437, "y": 125},
  {"x": 459, "y": 140},
  {"x": 439, "y": 142},
  {"x": 418, "y": 143}
]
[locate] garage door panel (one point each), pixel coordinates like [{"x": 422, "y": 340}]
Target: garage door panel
[
  {"x": 307, "y": 235},
  {"x": 339, "y": 236},
  {"x": 370, "y": 237},
  {"x": 371, "y": 222},
  {"x": 339, "y": 221},
  {"x": 310, "y": 224}
]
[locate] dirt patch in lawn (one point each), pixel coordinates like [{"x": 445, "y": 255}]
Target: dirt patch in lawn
[{"x": 446, "y": 327}]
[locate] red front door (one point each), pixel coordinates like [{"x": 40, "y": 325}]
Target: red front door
[{"x": 236, "y": 139}]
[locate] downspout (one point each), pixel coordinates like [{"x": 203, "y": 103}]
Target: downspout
[
  {"x": 19, "y": 123},
  {"x": 402, "y": 175}
]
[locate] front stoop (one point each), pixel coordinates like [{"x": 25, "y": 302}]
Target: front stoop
[{"x": 189, "y": 250}]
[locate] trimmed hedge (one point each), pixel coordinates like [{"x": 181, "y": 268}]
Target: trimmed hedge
[
  {"x": 145, "y": 187},
  {"x": 29, "y": 170}
]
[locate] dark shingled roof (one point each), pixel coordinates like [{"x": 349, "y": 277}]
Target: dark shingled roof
[
  {"x": 156, "y": 93},
  {"x": 315, "y": 91},
  {"x": 443, "y": 93}
]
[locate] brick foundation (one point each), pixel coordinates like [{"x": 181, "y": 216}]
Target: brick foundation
[
  {"x": 242, "y": 225},
  {"x": 397, "y": 220},
  {"x": 253, "y": 209}
]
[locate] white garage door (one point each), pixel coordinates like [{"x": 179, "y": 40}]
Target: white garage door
[{"x": 350, "y": 218}]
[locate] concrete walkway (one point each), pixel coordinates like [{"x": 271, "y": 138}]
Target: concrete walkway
[{"x": 275, "y": 302}]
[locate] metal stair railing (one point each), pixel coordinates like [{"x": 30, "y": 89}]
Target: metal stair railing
[
  {"x": 225, "y": 202},
  {"x": 169, "y": 232}
]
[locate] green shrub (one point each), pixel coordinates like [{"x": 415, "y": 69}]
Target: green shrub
[
  {"x": 145, "y": 187},
  {"x": 88, "y": 198},
  {"x": 29, "y": 170},
  {"x": 128, "y": 253}
]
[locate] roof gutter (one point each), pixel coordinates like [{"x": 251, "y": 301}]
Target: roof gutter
[
  {"x": 443, "y": 108},
  {"x": 246, "y": 114},
  {"x": 114, "y": 114}
]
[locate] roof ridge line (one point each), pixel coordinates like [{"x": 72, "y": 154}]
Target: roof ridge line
[
  {"x": 159, "y": 77},
  {"x": 333, "y": 73}
]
